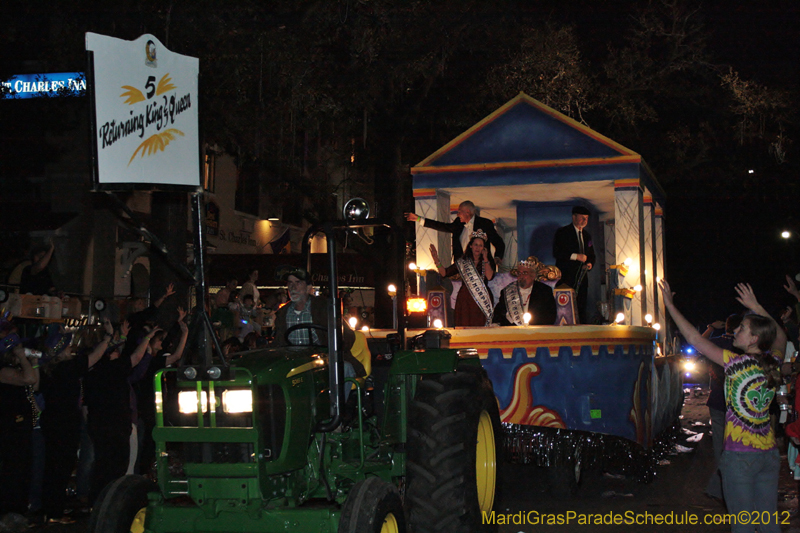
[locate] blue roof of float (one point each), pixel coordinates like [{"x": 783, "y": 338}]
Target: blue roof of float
[{"x": 524, "y": 142}]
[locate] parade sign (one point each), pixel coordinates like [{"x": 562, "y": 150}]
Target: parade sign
[{"x": 145, "y": 112}]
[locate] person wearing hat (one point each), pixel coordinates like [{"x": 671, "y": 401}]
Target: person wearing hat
[
  {"x": 526, "y": 295},
  {"x": 462, "y": 229},
  {"x": 574, "y": 253},
  {"x": 303, "y": 308}
]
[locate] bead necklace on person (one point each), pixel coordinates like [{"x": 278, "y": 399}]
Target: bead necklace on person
[{"x": 30, "y": 392}]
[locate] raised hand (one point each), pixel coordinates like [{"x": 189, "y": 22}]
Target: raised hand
[
  {"x": 666, "y": 292},
  {"x": 181, "y": 314},
  {"x": 108, "y": 327},
  {"x": 791, "y": 288},
  {"x": 125, "y": 328},
  {"x": 170, "y": 290},
  {"x": 434, "y": 254},
  {"x": 746, "y": 296}
]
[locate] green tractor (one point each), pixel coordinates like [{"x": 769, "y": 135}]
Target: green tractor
[{"x": 261, "y": 445}]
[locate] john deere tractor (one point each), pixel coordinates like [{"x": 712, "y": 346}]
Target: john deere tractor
[{"x": 263, "y": 444}]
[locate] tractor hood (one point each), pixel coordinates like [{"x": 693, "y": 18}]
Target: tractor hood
[{"x": 273, "y": 365}]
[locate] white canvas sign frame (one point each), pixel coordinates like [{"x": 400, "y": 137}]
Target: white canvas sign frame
[{"x": 145, "y": 113}]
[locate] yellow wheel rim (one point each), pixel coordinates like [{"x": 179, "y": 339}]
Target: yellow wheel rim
[
  {"x": 390, "y": 524},
  {"x": 486, "y": 462},
  {"x": 137, "y": 526}
]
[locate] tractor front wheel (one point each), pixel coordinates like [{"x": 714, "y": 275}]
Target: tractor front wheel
[
  {"x": 122, "y": 505},
  {"x": 373, "y": 506}
]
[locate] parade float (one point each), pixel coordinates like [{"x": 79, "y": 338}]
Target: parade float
[{"x": 570, "y": 395}]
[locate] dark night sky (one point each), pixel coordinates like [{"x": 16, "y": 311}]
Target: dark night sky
[
  {"x": 724, "y": 243},
  {"x": 712, "y": 241},
  {"x": 758, "y": 38}
]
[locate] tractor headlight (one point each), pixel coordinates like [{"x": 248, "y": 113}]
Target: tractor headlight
[
  {"x": 187, "y": 401},
  {"x": 237, "y": 401}
]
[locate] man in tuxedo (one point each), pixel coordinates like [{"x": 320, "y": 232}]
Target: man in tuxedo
[
  {"x": 526, "y": 295},
  {"x": 463, "y": 227},
  {"x": 574, "y": 253}
]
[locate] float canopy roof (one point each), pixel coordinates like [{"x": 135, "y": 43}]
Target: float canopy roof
[{"x": 526, "y": 151}]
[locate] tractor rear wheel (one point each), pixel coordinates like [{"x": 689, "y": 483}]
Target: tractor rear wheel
[
  {"x": 121, "y": 507},
  {"x": 453, "y": 448},
  {"x": 373, "y": 506}
]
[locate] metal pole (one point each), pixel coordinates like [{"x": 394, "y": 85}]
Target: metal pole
[
  {"x": 200, "y": 284},
  {"x": 335, "y": 343}
]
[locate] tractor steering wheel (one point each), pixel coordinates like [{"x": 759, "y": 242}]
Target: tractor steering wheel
[{"x": 306, "y": 325}]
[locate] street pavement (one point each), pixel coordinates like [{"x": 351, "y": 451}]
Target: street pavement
[{"x": 678, "y": 489}]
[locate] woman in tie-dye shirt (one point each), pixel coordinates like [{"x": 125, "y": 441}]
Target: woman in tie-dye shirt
[{"x": 750, "y": 462}]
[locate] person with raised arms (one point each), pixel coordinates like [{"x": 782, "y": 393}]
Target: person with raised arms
[{"x": 750, "y": 462}]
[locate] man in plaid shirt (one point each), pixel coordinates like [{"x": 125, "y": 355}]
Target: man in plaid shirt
[{"x": 306, "y": 309}]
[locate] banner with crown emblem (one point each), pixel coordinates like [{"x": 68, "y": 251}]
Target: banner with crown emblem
[{"x": 145, "y": 112}]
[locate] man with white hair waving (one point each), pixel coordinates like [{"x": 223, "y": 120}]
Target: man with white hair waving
[{"x": 462, "y": 229}]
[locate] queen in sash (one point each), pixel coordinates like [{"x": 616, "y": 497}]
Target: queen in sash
[{"x": 474, "y": 303}]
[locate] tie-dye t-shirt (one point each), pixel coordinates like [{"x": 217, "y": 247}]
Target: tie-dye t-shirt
[{"x": 747, "y": 398}]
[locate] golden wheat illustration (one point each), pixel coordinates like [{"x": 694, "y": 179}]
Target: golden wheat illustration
[
  {"x": 156, "y": 143},
  {"x": 164, "y": 84},
  {"x": 133, "y": 95}
]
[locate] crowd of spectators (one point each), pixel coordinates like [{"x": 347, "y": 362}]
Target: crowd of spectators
[
  {"x": 81, "y": 403},
  {"x": 244, "y": 319},
  {"x": 77, "y": 405}
]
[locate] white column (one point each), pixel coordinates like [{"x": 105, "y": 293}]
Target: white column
[
  {"x": 628, "y": 240},
  {"x": 610, "y": 259},
  {"x": 648, "y": 276},
  {"x": 660, "y": 265},
  {"x": 434, "y": 206}
]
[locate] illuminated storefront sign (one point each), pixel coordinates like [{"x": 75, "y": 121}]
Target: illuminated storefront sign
[{"x": 21, "y": 86}]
